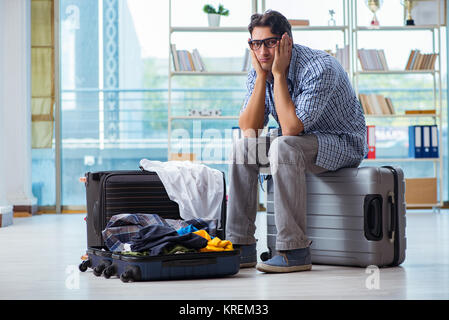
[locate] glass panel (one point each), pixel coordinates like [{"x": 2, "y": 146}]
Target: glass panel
[
  {"x": 43, "y": 176},
  {"x": 113, "y": 88},
  {"x": 193, "y": 96}
]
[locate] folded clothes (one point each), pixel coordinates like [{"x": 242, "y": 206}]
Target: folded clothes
[
  {"x": 214, "y": 244},
  {"x": 122, "y": 227},
  {"x": 155, "y": 238}
]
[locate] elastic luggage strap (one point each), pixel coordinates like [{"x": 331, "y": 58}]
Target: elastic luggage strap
[{"x": 394, "y": 223}]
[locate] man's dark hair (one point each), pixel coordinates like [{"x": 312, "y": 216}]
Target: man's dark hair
[{"x": 276, "y": 21}]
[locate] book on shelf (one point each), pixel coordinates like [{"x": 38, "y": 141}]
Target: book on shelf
[
  {"x": 430, "y": 111},
  {"x": 372, "y": 60},
  {"x": 376, "y": 104},
  {"x": 299, "y": 22},
  {"x": 342, "y": 55},
  {"x": 198, "y": 62},
  {"x": 246, "y": 61},
  {"x": 184, "y": 60},
  {"x": 175, "y": 57},
  {"x": 420, "y": 61},
  {"x": 190, "y": 65}
]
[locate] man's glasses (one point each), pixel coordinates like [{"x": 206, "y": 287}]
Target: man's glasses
[{"x": 268, "y": 42}]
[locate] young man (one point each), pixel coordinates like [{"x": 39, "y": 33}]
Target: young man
[{"x": 322, "y": 127}]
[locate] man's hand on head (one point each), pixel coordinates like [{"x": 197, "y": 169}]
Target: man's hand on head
[{"x": 282, "y": 56}]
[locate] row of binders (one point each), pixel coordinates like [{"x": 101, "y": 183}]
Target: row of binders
[
  {"x": 418, "y": 61},
  {"x": 184, "y": 60},
  {"x": 376, "y": 104},
  {"x": 372, "y": 60},
  {"x": 423, "y": 141}
]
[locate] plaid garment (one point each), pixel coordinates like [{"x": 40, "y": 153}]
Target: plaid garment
[
  {"x": 325, "y": 103},
  {"x": 122, "y": 227}
]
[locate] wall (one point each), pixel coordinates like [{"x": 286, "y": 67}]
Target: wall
[{"x": 15, "y": 104}]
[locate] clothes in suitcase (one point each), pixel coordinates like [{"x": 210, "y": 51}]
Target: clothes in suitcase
[
  {"x": 110, "y": 193},
  {"x": 355, "y": 217}
]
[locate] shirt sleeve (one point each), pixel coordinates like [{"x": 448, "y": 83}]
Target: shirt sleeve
[
  {"x": 250, "y": 83},
  {"x": 318, "y": 86}
]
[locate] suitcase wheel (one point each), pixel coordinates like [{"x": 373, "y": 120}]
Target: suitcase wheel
[
  {"x": 98, "y": 270},
  {"x": 264, "y": 256},
  {"x": 110, "y": 271},
  {"x": 84, "y": 265},
  {"x": 131, "y": 274}
]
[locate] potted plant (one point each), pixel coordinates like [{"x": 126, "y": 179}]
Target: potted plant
[{"x": 213, "y": 15}]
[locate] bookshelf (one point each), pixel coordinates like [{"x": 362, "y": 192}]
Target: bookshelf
[
  {"x": 432, "y": 74},
  {"x": 350, "y": 32},
  {"x": 174, "y": 72},
  {"x": 256, "y": 6}
]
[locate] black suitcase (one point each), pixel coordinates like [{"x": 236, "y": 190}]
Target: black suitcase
[{"x": 114, "y": 192}]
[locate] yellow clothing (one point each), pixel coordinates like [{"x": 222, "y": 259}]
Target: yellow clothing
[{"x": 215, "y": 244}]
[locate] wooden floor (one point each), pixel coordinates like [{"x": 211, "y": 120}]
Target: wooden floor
[{"x": 40, "y": 256}]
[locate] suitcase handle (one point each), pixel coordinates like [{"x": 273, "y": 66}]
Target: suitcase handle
[
  {"x": 393, "y": 214},
  {"x": 373, "y": 217},
  {"x": 189, "y": 263}
]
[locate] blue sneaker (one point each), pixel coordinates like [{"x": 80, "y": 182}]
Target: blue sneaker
[
  {"x": 248, "y": 255},
  {"x": 288, "y": 261}
]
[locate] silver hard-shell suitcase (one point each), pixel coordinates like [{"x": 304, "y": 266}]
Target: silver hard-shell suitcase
[{"x": 355, "y": 217}]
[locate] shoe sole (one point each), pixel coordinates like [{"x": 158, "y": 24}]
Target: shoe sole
[{"x": 274, "y": 269}]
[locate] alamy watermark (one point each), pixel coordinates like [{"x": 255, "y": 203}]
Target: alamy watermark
[
  {"x": 73, "y": 279},
  {"x": 226, "y": 146},
  {"x": 372, "y": 282}
]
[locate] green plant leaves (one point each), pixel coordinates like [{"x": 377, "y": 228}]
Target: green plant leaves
[{"x": 221, "y": 10}]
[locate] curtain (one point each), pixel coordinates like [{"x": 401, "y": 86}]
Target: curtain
[{"x": 42, "y": 73}]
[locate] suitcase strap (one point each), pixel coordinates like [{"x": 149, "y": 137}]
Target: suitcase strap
[
  {"x": 393, "y": 216},
  {"x": 394, "y": 226}
]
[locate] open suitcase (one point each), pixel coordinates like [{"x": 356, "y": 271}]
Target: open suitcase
[
  {"x": 114, "y": 192},
  {"x": 355, "y": 217}
]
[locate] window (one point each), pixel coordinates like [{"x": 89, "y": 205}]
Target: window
[{"x": 114, "y": 61}]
